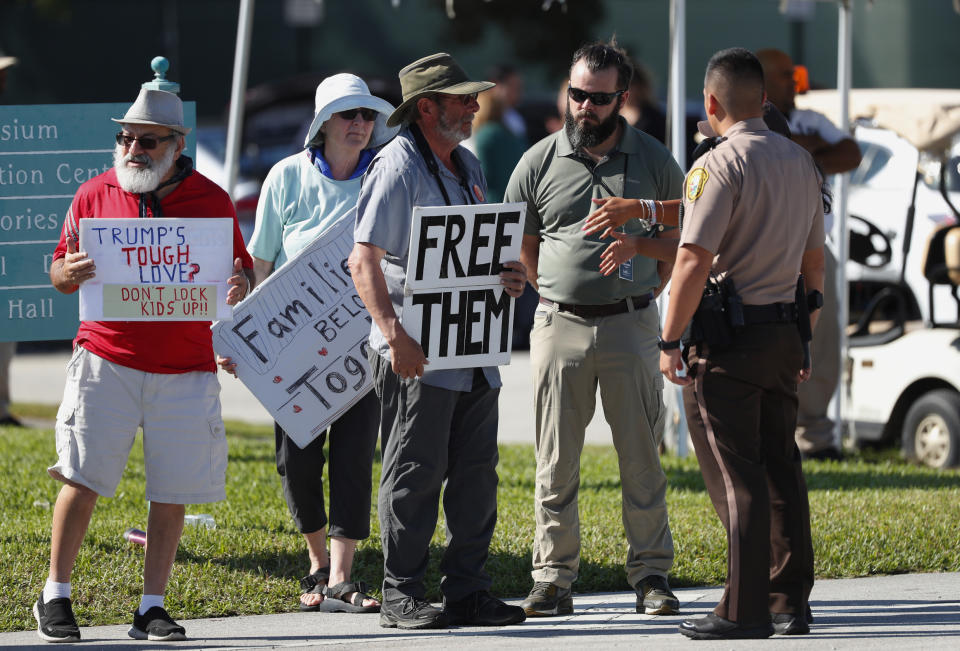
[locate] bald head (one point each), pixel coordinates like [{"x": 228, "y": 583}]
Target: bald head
[
  {"x": 778, "y": 78},
  {"x": 735, "y": 77}
]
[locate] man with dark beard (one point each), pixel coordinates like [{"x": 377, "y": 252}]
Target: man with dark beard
[
  {"x": 593, "y": 329},
  {"x": 160, "y": 376}
]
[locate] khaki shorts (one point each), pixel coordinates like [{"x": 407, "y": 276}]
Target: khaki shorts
[{"x": 184, "y": 443}]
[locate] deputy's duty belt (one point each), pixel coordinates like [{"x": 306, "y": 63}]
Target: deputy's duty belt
[
  {"x": 771, "y": 313},
  {"x": 608, "y": 309}
]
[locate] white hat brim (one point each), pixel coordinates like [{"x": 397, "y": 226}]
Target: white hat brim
[{"x": 381, "y": 135}]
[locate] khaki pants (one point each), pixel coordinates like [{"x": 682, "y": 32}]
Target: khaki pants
[
  {"x": 569, "y": 357},
  {"x": 814, "y": 427}
]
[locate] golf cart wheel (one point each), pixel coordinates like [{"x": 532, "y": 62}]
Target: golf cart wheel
[{"x": 931, "y": 430}]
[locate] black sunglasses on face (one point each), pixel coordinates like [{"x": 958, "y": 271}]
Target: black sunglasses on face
[
  {"x": 366, "y": 113},
  {"x": 598, "y": 99},
  {"x": 146, "y": 142}
]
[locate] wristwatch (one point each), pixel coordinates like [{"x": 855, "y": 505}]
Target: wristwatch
[{"x": 668, "y": 345}]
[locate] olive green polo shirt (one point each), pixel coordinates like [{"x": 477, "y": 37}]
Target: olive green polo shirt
[{"x": 557, "y": 184}]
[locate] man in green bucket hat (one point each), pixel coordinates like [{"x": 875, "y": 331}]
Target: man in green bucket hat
[{"x": 439, "y": 427}]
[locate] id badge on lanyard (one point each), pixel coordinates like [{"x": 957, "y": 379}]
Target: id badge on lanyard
[{"x": 626, "y": 269}]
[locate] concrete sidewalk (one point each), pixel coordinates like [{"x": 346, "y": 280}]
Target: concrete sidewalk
[
  {"x": 911, "y": 611},
  {"x": 907, "y": 611}
]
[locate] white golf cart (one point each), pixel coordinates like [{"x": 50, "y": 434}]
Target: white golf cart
[{"x": 902, "y": 372}]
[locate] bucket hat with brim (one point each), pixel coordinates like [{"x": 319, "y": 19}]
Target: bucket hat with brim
[
  {"x": 157, "y": 107},
  {"x": 343, "y": 92},
  {"x": 437, "y": 73}
]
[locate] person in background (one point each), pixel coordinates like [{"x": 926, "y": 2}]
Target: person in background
[
  {"x": 7, "y": 348},
  {"x": 509, "y": 92},
  {"x": 835, "y": 152},
  {"x": 158, "y": 375},
  {"x": 641, "y": 110},
  {"x": 301, "y": 197}
]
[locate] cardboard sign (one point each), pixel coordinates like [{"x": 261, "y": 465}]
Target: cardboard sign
[
  {"x": 46, "y": 152},
  {"x": 300, "y": 338},
  {"x": 454, "y": 304},
  {"x": 157, "y": 269}
]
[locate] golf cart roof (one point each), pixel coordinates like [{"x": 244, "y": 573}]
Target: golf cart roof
[{"x": 927, "y": 117}]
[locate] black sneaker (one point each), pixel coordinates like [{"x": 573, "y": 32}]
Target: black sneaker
[
  {"x": 547, "y": 599},
  {"x": 482, "y": 609},
  {"x": 411, "y": 612},
  {"x": 156, "y": 625},
  {"x": 655, "y": 598},
  {"x": 789, "y": 624},
  {"x": 55, "y": 620}
]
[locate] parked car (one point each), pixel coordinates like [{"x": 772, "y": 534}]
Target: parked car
[{"x": 210, "y": 161}]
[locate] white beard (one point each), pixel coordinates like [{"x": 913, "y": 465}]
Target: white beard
[{"x": 140, "y": 180}]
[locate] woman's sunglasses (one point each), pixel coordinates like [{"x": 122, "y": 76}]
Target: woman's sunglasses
[
  {"x": 366, "y": 113},
  {"x": 599, "y": 99},
  {"x": 146, "y": 142}
]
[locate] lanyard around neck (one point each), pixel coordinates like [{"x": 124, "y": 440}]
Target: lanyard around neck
[{"x": 434, "y": 168}]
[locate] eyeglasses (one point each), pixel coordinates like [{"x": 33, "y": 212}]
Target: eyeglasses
[
  {"x": 366, "y": 113},
  {"x": 599, "y": 99},
  {"x": 146, "y": 142},
  {"x": 466, "y": 100}
]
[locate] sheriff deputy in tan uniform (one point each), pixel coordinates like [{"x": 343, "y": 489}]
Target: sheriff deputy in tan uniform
[{"x": 752, "y": 213}]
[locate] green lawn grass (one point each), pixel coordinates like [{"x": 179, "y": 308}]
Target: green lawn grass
[{"x": 870, "y": 516}]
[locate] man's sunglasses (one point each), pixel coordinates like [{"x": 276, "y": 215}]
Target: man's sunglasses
[
  {"x": 366, "y": 113},
  {"x": 466, "y": 100},
  {"x": 598, "y": 99},
  {"x": 146, "y": 142}
]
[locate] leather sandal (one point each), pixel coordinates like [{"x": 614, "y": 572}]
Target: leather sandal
[
  {"x": 315, "y": 583},
  {"x": 336, "y": 598}
]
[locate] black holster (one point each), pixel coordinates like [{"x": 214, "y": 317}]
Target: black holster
[{"x": 718, "y": 317}]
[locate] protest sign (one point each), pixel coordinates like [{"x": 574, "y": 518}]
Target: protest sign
[
  {"x": 162, "y": 269},
  {"x": 454, "y": 304},
  {"x": 300, "y": 339},
  {"x": 46, "y": 152}
]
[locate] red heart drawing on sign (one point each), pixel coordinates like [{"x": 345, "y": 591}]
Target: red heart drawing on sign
[
  {"x": 323, "y": 351},
  {"x": 297, "y": 409},
  {"x": 277, "y": 379}
]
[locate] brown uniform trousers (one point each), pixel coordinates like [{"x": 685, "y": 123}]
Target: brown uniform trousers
[{"x": 741, "y": 411}]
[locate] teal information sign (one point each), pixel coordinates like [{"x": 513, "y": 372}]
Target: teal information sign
[{"x": 46, "y": 153}]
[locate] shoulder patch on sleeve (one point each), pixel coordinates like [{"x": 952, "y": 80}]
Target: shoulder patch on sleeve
[{"x": 696, "y": 179}]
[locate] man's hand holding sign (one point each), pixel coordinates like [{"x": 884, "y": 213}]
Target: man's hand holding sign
[{"x": 458, "y": 300}]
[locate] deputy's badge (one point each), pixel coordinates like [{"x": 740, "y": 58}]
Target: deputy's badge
[
  {"x": 478, "y": 193},
  {"x": 696, "y": 179}
]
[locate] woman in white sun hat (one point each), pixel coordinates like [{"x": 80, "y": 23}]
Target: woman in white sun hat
[{"x": 302, "y": 196}]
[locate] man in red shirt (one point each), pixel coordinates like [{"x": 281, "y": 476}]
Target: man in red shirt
[{"x": 127, "y": 374}]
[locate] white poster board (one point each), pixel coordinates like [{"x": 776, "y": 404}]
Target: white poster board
[
  {"x": 300, "y": 338},
  {"x": 161, "y": 269},
  {"x": 453, "y": 303}
]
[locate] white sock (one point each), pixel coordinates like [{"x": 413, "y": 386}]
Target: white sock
[
  {"x": 54, "y": 590},
  {"x": 148, "y": 601}
]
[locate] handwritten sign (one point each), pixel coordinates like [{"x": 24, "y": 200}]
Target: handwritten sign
[
  {"x": 300, "y": 338},
  {"x": 157, "y": 269},
  {"x": 46, "y": 152},
  {"x": 454, "y": 304}
]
